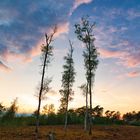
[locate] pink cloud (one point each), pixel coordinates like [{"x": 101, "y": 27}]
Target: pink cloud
[
  {"x": 133, "y": 74},
  {"x": 125, "y": 57},
  {"x": 126, "y": 52},
  {"x": 110, "y": 53},
  {"x": 132, "y": 60},
  {"x": 11, "y": 56}
]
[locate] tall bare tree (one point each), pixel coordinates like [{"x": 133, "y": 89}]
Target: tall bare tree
[
  {"x": 68, "y": 78},
  {"x": 46, "y": 55},
  {"x": 84, "y": 31}
]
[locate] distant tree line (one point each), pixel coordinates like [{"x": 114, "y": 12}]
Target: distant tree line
[{"x": 48, "y": 116}]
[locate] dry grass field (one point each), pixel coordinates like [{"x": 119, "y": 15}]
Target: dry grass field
[{"x": 73, "y": 133}]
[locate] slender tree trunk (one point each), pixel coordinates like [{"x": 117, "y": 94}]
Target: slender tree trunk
[
  {"x": 90, "y": 91},
  {"x": 66, "y": 117},
  {"x": 46, "y": 53},
  {"x": 67, "y": 100},
  {"x": 86, "y": 113},
  {"x": 90, "y": 115},
  {"x": 66, "y": 114},
  {"x": 40, "y": 94}
]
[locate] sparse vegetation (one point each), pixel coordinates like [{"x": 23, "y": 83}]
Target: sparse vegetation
[{"x": 76, "y": 132}]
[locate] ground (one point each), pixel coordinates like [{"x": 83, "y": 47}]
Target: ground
[{"x": 73, "y": 133}]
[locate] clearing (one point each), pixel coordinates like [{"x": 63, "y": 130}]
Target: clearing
[{"x": 74, "y": 132}]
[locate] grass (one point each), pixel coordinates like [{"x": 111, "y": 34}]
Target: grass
[{"x": 74, "y": 132}]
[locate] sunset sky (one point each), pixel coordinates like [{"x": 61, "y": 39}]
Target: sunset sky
[{"x": 23, "y": 24}]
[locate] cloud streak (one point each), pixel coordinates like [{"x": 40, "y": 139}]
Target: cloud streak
[
  {"x": 133, "y": 74},
  {"x": 79, "y": 2},
  {"x": 127, "y": 58},
  {"x": 4, "y": 67}
]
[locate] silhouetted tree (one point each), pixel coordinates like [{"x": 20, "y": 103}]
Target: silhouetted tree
[
  {"x": 11, "y": 111},
  {"x": 34, "y": 113},
  {"x": 68, "y": 77},
  {"x": 109, "y": 114},
  {"x": 48, "y": 109},
  {"x": 62, "y": 107},
  {"x": 131, "y": 116},
  {"x": 80, "y": 111},
  {"x": 98, "y": 111},
  {"x": 116, "y": 115},
  {"x": 2, "y": 109},
  {"x": 46, "y": 55},
  {"x": 138, "y": 116},
  {"x": 84, "y": 31}
]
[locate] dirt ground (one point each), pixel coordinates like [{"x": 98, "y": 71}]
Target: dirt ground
[{"x": 73, "y": 133}]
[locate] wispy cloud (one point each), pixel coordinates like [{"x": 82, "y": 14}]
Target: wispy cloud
[
  {"x": 111, "y": 53},
  {"x": 119, "y": 43},
  {"x": 132, "y": 59},
  {"x": 129, "y": 14},
  {"x": 133, "y": 13},
  {"x": 79, "y": 2},
  {"x": 133, "y": 74},
  {"x": 4, "y": 67},
  {"x": 126, "y": 52},
  {"x": 128, "y": 59}
]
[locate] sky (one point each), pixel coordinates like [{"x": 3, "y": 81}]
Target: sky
[{"x": 22, "y": 28}]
